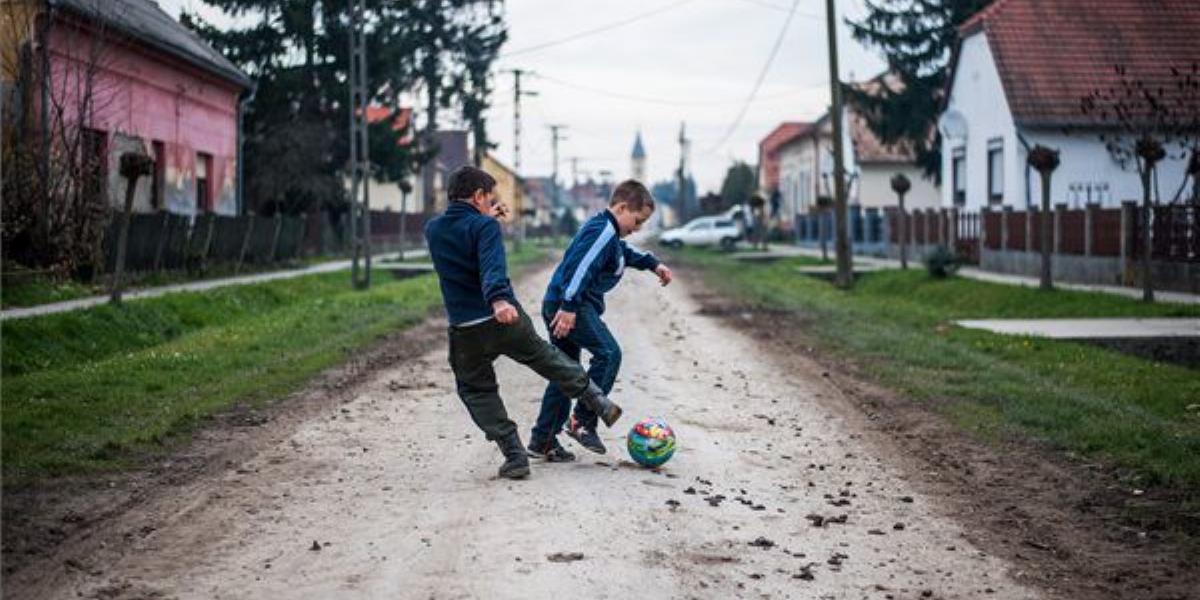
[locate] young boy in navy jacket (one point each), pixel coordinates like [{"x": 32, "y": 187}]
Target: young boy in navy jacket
[
  {"x": 486, "y": 321},
  {"x": 573, "y": 306}
]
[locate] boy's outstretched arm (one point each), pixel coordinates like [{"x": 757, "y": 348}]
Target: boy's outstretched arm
[
  {"x": 645, "y": 261},
  {"x": 493, "y": 272}
]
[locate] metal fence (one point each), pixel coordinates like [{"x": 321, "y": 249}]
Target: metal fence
[{"x": 165, "y": 241}]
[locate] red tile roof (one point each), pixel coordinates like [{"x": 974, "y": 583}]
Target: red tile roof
[
  {"x": 868, "y": 148},
  {"x": 1052, "y": 53},
  {"x": 768, "y": 149}
]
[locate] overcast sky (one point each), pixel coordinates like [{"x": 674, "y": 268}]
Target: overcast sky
[{"x": 687, "y": 60}]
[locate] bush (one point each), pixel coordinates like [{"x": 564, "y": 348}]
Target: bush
[{"x": 942, "y": 263}]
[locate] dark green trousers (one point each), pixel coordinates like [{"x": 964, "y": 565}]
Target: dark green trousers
[{"x": 473, "y": 350}]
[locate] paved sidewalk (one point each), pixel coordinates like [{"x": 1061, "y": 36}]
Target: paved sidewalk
[
  {"x": 193, "y": 286},
  {"x": 783, "y": 250},
  {"x": 1090, "y": 329}
]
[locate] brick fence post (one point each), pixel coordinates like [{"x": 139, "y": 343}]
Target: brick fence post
[{"x": 1029, "y": 212}]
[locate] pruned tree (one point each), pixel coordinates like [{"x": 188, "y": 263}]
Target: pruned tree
[{"x": 1146, "y": 122}]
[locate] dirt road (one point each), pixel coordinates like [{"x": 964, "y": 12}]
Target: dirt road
[{"x": 773, "y": 493}]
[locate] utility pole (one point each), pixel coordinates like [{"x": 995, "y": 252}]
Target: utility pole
[
  {"x": 574, "y": 170},
  {"x": 681, "y": 175},
  {"x": 845, "y": 276},
  {"x": 360, "y": 216},
  {"x": 555, "y": 137},
  {"x": 517, "y": 93}
]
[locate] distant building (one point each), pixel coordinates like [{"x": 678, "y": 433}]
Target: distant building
[
  {"x": 390, "y": 196},
  {"x": 508, "y": 186},
  {"x": 638, "y": 160},
  {"x": 1020, "y": 72},
  {"x": 157, "y": 89},
  {"x": 875, "y": 163}
]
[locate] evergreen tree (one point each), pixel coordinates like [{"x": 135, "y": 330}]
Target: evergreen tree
[
  {"x": 916, "y": 37},
  {"x": 296, "y": 143},
  {"x": 739, "y": 184}
]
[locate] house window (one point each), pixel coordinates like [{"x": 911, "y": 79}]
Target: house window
[
  {"x": 203, "y": 182},
  {"x": 160, "y": 170},
  {"x": 94, "y": 163},
  {"x": 959, "y": 175},
  {"x": 995, "y": 172}
]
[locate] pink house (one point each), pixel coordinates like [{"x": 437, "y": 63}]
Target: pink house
[{"x": 155, "y": 87}]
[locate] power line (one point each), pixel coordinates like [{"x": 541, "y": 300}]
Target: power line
[
  {"x": 761, "y": 76},
  {"x": 597, "y": 30},
  {"x": 659, "y": 100}
]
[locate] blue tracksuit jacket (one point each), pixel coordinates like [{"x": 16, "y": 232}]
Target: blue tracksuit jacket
[
  {"x": 467, "y": 249},
  {"x": 593, "y": 265}
]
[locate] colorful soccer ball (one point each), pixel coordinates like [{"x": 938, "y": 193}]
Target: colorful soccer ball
[{"x": 651, "y": 442}]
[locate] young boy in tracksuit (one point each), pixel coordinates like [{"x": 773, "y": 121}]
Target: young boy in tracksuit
[
  {"x": 486, "y": 320},
  {"x": 573, "y": 306}
]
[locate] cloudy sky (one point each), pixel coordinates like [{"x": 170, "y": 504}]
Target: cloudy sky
[{"x": 656, "y": 64}]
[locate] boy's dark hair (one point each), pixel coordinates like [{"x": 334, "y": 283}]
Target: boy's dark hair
[
  {"x": 466, "y": 179},
  {"x": 633, "y": 194}
]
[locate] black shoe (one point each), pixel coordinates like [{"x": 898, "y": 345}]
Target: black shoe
[
  {"x": 516, "y": 464},
  {"x": 586, "y": 436},
  {"x": 550, "y": 451},
  {"x": 594, "y": 399}
]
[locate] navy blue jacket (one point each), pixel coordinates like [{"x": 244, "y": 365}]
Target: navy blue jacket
[
  {"x": 467, "y": 249},
  {"x": 593, "y": 265}
]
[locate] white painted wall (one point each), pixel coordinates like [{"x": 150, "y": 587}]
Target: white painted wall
[
  {"x": 978, "y": 113},
  {"x": 875, "y": 190},
  {"x": 977, "y": 101}
]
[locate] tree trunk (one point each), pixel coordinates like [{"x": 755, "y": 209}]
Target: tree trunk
[
  {"x": 1147, "y": 243},
  {"x": 903, "y": 222},
  {"x": 1044, "y": 232}
]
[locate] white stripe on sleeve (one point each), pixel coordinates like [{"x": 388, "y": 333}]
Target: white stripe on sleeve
[{"x": 588, "y": 258}]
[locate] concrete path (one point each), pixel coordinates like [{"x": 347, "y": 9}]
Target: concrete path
[
  {"x": 1085, "y": 329},
  {"x": 193, "y": 286},
  {"x": 784, "y": 250}
]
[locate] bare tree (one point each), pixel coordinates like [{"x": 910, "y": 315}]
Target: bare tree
[
  {"x": 1146, "y": 123},
  {"x": 54, "y": 191}
]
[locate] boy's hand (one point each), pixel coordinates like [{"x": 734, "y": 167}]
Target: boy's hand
[
  {"x": 498, "y": 210},
  {"x": 506, "y": 314},
  {"x": 664, "y": 274},
  {"x": 562, "y": 323}
]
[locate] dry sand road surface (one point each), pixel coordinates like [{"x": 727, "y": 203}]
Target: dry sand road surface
[{"x": 775, "y": 492}]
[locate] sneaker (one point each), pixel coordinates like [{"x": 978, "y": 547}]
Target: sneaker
[
  {"x": 586, "y": 436},
  {"x": 550, "y": 451}
]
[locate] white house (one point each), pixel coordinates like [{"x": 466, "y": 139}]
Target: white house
[
  {"x": 804, "y": 161},
  {"x": 1019, "y": 76},
  {"x": 873, "y": 163}
]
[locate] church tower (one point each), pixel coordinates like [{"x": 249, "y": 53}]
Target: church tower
[{"x": 638, "y": 159}]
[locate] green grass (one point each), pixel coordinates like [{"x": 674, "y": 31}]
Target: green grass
[
  {"x": 81, "y": 390},
  {"x": 896, "y": 327},
  {"x": 33, "y": 290}
]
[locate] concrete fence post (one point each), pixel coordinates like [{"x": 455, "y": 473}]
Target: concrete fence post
[
  {"x": 275, "y": 236},
  {"x": 1089, "y": 227},
  {"x": 1004, "y": 227},
  {"x": 1128, "y": 223},
  {"x": 1029, "y": 212},
  {"x": 245, "y": 243},
  {"x": 1059, "y": 209},
  {"x": 163, "y": 233},
  {"x": 983, "y": 219}
]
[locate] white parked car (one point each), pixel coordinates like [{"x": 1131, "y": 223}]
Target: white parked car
[{"x": 703, "y": 231}]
